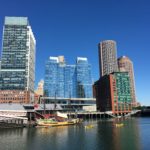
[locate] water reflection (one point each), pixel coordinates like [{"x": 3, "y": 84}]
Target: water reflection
[
  {"x": 119, "y": 138},
  {"x": 104, "y": 136},
  {"x": 12, "y": 139}
]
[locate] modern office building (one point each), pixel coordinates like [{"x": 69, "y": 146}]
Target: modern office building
[
  {"x": 18, "y": 58},
  {"x": 126, "y": 65},
  {"x": 65, "y": 82},
  {"x": 107, "y": 57},
  {"x": 84, "y": 79},
  {"x": 113, "y": 93}
]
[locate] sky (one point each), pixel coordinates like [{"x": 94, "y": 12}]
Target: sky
[{"x": 75, "y": 27}]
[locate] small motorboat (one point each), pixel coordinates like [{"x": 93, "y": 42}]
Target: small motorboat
[
  {"x": 119, "y": 124},
  {"x": 89, "y": 126}
]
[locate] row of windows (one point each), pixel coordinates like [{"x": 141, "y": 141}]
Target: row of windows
[{"x": 10, "y": 98}]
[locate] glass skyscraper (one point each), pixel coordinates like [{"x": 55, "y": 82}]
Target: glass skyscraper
[
  {"x": 84, "y": 81},
  {"x": 17, "y": 61},
  {"x": 68, "y": 81},
  {"x": 18, "y": 55}
]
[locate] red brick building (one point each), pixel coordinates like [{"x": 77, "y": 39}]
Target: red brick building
[
  {"x": 15, "y": 96},
  {"x": 113, "y": 93}
]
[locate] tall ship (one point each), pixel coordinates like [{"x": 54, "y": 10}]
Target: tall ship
[{"x": 59, "y": 119}]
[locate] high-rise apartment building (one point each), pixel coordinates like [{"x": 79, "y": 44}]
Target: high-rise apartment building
[
  {"x": 18, "y": 57},
  {"x": 68, "y": 81},
  {"x": 107, "y": 57},
  {"x": 126, "y": 65}
]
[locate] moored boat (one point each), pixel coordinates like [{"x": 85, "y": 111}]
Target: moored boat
[
  {"x": 56, "y": 121},
  {"x": 53, "y": 123}
]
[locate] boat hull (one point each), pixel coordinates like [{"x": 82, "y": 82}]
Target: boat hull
[
  {"x": 49, "y": 123},
  {"x": 56, "y": 124}
]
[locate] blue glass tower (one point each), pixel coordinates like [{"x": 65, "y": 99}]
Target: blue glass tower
[
  {"x": 50, "y": 84},
  {"x": 84, "y": 81},
  {"x": 68, "y": 81}
]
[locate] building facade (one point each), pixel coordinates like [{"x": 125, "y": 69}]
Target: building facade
[
  {"x": 18, "y": 57},
  {"x": 107, "y": 57},
  {"x": 14, "y": 96},
  {"x": 68, "y": 85},
  {"x": 68, "y": 81},
  {"x": 113, "y": 93},
  {"x": 39, "y": 92},
  {"x": 84, "y": 80},
  {"x": 126, "y": 65},
  {"x": 40, "y": 88}
]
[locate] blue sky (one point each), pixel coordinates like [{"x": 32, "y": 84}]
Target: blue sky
[{"x": 75, "y": 27}]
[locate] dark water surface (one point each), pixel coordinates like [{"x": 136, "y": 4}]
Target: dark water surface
[{"x": 134, "y": 135}]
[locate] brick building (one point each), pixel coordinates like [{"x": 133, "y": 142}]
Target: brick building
[{"x": 113, "y": 93}]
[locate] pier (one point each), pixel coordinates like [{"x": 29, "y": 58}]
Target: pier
[
  {"x": 10, "y": 121},
  {"x": 107, "y": 114},
  {"x": 20, "y": 115}
]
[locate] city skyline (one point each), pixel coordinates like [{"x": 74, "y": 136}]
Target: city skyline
[{"x": 75, "y": 28}]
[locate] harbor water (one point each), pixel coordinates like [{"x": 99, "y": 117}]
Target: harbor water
[{"x": 104, "y": 135}]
